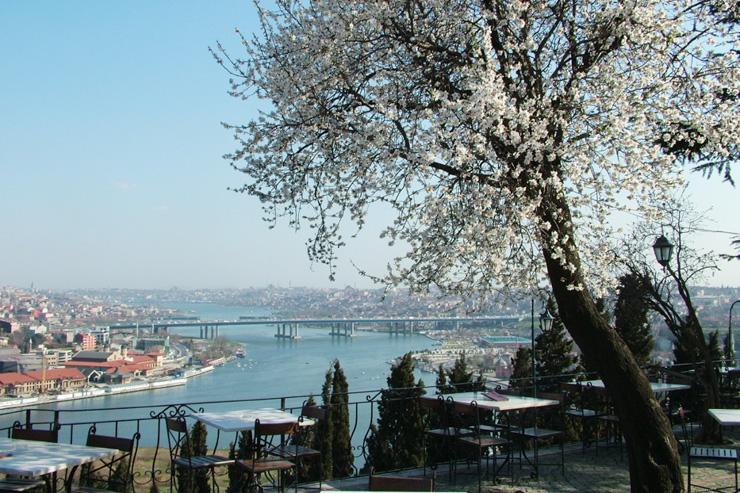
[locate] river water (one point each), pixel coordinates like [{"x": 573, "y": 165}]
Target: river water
[{"x": 272, "y": 368}]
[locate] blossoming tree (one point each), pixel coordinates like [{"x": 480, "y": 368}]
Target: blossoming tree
[{"x": 503, "y": 133}]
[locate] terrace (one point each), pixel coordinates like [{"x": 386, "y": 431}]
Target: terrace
[{"x": 598, "y": 463}]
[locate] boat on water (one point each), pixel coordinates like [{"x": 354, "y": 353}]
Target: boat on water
[{"x": 240, "y": 353}]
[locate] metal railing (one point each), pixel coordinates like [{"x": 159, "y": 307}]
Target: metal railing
[{"x": 125, "y": 421}]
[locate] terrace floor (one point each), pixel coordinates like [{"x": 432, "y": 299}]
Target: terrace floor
[{"x": 602, "y": 472}]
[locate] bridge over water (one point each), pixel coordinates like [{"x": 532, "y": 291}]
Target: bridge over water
[{"x": 288, "y": 327}]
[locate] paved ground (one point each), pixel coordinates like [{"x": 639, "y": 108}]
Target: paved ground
[{"x": 604, "y": 472}]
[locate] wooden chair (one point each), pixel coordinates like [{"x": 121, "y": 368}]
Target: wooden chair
[
  {"x": 109, "y": 475},
  {"x": 20, "y": 484},
  {"x": 481, "y": 439},
  {"x": 178, "y": 438},
  {"x": 261, "y": 462},
  {"x": 399, "y": 483},
  {"x": 295, "y": 450}
]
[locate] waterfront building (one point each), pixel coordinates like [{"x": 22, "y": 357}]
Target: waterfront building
[{"x": 41, "y": 381}]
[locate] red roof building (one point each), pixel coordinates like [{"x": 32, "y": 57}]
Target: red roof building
[{"x": 41, "y": 381}]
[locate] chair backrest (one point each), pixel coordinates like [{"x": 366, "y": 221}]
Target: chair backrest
[
  {"x": 51, "y": 436},
  {"x": 272, "y": 429},
  {"x": 430, "y": 403},
  {"x": 111, "y": 442},
  {"x": 466, "y": 408},
  {"x": 400, "y": 483},
  {"x": 553, "y": 396},
  {"x": 116, "y": 473},
  {"x": 313, "y": 412},
  {"x": 177, "y": 435}
]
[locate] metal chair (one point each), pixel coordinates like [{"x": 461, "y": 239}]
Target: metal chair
[
  {"x": 178, "y": 439},
  {"x": 296, "y": 450},
  {"x": 584, "y": 409},
  {"x": 109, "y": 475},
  {"x": 551, "y": 430},
  {"x": 439, "y": 435},
  {"x": 261, "y": 462},
  {"x": 711, "y": 453},
  {"x": 480, "y": 440}
]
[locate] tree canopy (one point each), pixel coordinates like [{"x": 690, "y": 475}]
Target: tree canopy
[{"x": 468, "y": 116}]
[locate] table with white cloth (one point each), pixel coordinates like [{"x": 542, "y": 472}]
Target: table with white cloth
[
  {"x": 656, "y": 387},
  {"x": 244, "y": 420},
  {"x": 36, "y": 459}
]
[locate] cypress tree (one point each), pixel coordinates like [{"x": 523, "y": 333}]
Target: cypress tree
[
  {"x": 341, "y": 440},
  {"x": 554, "y": 353},
  {"x": 460, "y": 379},
  {"x": 441, "y": 383},
  {"x": 398, "y": 439},
  {"x": 326, "y": 429},
  {"x": 237, "y": 476},
  {"x": 727, "y": 353},
  {"x": 184, "y": 475},
  {"x": 631, "y": 316},
  {"x": 198, "y": 438},
  {"x": 714, "y": 351},
  {"x": 521, "y": 375}
]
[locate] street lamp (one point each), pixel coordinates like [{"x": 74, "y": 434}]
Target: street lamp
[
  {"x": 730, "y": 341},
  {"x": 663, "y": 250},
  {"x": 545, "y": 324},
  {"x": 546, "y": 320}
]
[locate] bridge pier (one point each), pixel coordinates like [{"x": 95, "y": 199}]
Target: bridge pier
[
  {"x": 343, "y": 329},
  {"x": 290, "y": 333}
]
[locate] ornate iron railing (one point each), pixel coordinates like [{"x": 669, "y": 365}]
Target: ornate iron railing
[{"x": 74, "y": 424}]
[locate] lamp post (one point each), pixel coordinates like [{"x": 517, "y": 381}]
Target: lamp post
[
  {"x": 545, "y": 323},
  {"x": 730, "y": 341}
]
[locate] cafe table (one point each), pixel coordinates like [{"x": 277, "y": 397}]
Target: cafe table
[
  {"x": 511, "y": 403},
  {"x": 35, "y": 459},
  {"x": 656, "y": 387},
  {"x": 725, "y": 417},
  {"x": 244, "y": 420}
]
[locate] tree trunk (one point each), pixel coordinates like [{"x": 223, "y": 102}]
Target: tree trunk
[{"x": 654, "y": 461}]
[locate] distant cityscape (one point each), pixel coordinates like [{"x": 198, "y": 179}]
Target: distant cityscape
[{"x": 55, "y": 342}]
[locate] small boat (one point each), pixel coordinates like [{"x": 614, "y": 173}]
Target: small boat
[{"x": 239, "y": 353}]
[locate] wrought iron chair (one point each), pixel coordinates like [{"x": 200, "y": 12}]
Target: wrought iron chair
[
  {"x": 551, "y": 429},
  {"x": 296, "y": 450},
  {"x": 438, "y": 438},
  {"x": 584, "y": 408},
  {"x": 178, "y": 440},
  {"x": 114, "y": 474},
  {"x": 712, "y": 454},
  {"x": 481, "y": 439},
  {"x": 261, "y": 462}
]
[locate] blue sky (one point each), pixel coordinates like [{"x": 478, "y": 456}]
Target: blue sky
[{"x": 110, "y": 155}]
